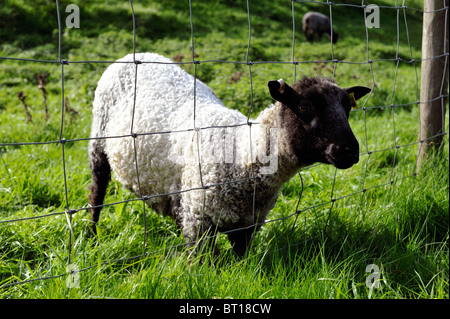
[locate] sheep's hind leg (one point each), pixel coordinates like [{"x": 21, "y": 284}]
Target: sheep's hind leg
[{"x": 101, "y": 175}]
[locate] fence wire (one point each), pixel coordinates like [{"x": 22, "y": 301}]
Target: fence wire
[{"x": 70, "y": 211}]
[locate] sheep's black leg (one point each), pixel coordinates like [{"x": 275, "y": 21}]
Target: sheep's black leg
[
  {"x": 101, "y": 175},
  {"x": 309, "y": 35},
  {"x": 241, "y": 240},
  {"x": 320, "y": 36},
  {"x": 305, "y": 32}
]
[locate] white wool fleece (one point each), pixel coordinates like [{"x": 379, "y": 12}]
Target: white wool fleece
[{"x": 167, "y": 143}]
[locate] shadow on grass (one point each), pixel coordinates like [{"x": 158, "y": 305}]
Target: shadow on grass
[{"x": 408, "y": 238}]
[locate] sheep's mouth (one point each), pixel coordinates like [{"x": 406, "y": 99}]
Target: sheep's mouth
[
  {"x": 342, "y": 163},
  {"x": 341, "y": 160}
]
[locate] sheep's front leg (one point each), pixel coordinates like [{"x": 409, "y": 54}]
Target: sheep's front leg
[
  {"x": 201, "y": 238},
  {"x": 241, "y": 240},
  {"x": 319, "y": 36},
  {"x": 310, "y": 36}
]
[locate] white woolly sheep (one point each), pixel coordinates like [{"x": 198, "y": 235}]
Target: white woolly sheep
[
  {"x": 317, "y": 23},
  {"x": 197, "y": 164}
]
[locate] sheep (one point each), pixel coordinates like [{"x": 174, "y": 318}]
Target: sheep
[
  {"x": 205, "y": 165},
  {"x": 315, "y": 22}
]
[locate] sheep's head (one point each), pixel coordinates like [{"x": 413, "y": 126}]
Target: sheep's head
[{"x": 315, "y": 114}]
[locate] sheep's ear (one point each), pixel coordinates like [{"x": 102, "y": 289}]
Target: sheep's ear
[
  {"x": 282, "y": 92},
  {"x": 358, "y": 91}
]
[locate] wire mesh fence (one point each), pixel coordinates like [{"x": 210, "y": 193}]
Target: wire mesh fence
[{"x": 296, "y": 61}]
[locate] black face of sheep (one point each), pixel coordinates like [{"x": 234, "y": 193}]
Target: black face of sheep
[{"x": 315, "y": 113}]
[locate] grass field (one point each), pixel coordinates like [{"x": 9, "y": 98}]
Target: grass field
[{"x": 400, "y": 222}]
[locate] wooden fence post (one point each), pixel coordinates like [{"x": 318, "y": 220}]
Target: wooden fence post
[{"x": 434, "y": 77}]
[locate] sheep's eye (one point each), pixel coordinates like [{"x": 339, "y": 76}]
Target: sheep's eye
[{"x": 305, "y": 108}]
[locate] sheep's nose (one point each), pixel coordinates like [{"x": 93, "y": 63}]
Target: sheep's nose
[
  {"x": 352, "y": 154},
  {"x": 348, "y": 153}
]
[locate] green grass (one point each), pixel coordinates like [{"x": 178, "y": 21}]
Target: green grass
[{"x": 400, "y": 224}]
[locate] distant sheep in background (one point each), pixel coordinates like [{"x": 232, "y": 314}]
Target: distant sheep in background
[
  {"x": 317, "y": 23},
  {"x": 308, "y": 124}
]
